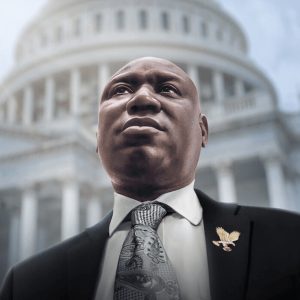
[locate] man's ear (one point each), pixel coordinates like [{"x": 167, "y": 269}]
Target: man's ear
[
  {"x": 204, "y": 129},
  {"x": 97, "y": 142}
]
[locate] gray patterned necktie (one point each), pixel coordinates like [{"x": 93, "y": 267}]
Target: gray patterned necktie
[{"x": 144, "y": 270}]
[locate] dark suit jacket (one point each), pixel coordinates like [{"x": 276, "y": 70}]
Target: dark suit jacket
[{"x": 264, "y": 264}]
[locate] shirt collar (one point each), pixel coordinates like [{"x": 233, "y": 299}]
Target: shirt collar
[{"x": 183, "y": 201}]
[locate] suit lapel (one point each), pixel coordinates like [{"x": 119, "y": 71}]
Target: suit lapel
[
  {"x": 84, "y": 259},
  {"x": 227, "y": 270}
]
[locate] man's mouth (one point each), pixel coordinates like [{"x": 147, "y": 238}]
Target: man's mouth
[{"x": 142, "y": 122}]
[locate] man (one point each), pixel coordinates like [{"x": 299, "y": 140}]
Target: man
[{"x": 149, "y": 138}]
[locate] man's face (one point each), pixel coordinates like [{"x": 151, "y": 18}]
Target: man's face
[{"x": 149, "y": 129}]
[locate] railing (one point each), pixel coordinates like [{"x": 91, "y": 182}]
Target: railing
[{"x": 238, "y": 106}]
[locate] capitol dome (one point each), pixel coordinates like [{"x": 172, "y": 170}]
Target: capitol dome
[
  {"x": 66, "y": 55},
  {"x": 52, "y": 183}
]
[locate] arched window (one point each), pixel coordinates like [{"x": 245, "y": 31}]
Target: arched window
[
  {"x": 77, "y": 28},
  {"x": 19, "y": 53},
  {"x": 165, "y": 21},
  {"x": 204, "y": 29},
  {"x": 143, "y": 20},
  {"x": 98, "y": 23},
  {"x": 228, "y": 85},
  {"x": 219, "y": 34},
  {"x": 4, "y": 112},
  {"x": 185, "y": 24},
  {"x": 59, "y": 35},
  {"x": 120, "y": 20},
  {"x": 232, "y": 39},
  {"x": 44, "y": 40}
]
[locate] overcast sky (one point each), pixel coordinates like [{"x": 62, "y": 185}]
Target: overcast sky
[{"x": 271, "y": 26}]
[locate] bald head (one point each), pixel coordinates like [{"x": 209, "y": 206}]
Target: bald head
[
  {"x": 150, "y": 128},
  {"x": 147, "y": 63}
]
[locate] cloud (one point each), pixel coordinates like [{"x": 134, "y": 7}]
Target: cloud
[{"x": 273, "y": 31}]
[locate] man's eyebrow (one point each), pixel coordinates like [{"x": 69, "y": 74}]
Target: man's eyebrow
[{"x": 131, "y": 76}]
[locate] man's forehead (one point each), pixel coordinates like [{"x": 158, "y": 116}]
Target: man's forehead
[
  {"x": 149, "y": 64},
  {"x": 154, "y": 70}
]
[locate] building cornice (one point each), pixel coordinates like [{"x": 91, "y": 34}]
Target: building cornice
[{"x": 133, "y": 43}]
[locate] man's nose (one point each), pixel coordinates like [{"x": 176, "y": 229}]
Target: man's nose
[{"x": 143, "y": 102}]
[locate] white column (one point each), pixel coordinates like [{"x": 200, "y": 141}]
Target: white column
[
  {"x": 70, "y": 209},
  {"x": 14, "y": 238},
  {"x": 12, "y": 106},
  {"x": 28, "y": 105},
  {"x": 218, "y": 84},
  {"x": 49, "y": 98},
  {"x": 75, "y": 91},
  {"x": 29, "y": 214},
  {"x": 103, "y": 77},
  {"x": 94, "y": 211},
  {"x": 226, "y": 183},
  {"x": 2, "y": 112},
  {"x": 276, "y": 182},
  {"x": 192, "y": 72},
  {"x": 238, "y": 88}
]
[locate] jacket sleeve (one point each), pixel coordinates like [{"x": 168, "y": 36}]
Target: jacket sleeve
[{"x": 6, "y": 290}]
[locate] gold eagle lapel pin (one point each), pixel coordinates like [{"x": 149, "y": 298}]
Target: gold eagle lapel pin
[{"x": 226, "y": 239}]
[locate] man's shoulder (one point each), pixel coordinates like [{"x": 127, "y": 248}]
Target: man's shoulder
[
  {"x": 44, "y": 271},
  {"x": 74, "y": 260},
  {"x": 266, "y": 215},
  {"x": 270, "y": 227},
  {"x": 51, "y": 260},
  {"x": 90, "y": 238}
]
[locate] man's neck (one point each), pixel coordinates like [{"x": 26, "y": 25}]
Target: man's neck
[{"x": 143, "y": 192}]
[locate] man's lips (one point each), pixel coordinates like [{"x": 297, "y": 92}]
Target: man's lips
[{"x": 142, "y": 122}]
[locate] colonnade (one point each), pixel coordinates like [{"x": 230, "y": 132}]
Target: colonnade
[
  {"x": 25, "y": 225},
  {"x": 218, "y": 84},
  {"x": 218, "y": 87},
  {"x": 275, "y": 179},
  {"x": 70, "y": 197},
  {"x": 49, "y": 96}
]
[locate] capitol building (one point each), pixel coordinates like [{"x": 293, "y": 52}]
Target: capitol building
[{"x": 52, "y": 183}]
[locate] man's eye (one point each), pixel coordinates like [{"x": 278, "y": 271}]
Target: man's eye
[
  {"x": 120, "y": 90},
  {"x": 168, "y": 89}
]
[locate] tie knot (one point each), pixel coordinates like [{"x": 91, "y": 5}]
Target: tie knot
[{"x": 148, "y": 214}]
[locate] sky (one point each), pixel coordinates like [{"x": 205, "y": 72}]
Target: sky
[{"x": 272, "y": 28}]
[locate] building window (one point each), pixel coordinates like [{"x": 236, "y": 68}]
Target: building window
[
  {"x": 207, "y": 93},
  {"x": 77, "y": 28},
  {"x": 232, "y": 39},
  {"x": 59, "y": 35},
  {"x": 44, "y": 40},
  {"x": 228, "y": 86},
  {"x": 219, "y": 34},
  {"x": 19, "y": 53},
  {"x": 248, "y": 88},
  {"x": 204, "y": 29},
  {"x": 98, "y": 23},
  {"x": 143, "y": 20},
  {"x": 38, "y": 101},
  {"x": 4, "y": 112},
  {"x": 165, "y": 21},
  {"x": 19, "y": 109},
  {"x": 185, "y": 24},
  {"x": 120, "y": 20}
]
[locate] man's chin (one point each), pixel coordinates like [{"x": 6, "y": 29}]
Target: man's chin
[{"x": 140, "y": 160}]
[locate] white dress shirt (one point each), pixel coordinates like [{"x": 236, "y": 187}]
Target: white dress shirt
[{"x": 181, "y": 233}]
